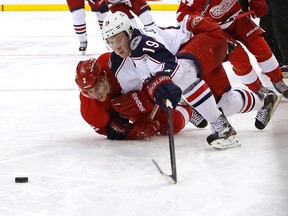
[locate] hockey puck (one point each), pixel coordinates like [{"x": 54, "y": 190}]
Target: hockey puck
[{"x": 21, "y": 179}]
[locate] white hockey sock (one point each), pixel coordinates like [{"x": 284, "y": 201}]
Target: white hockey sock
[
  {"x": 201, "y": 98},
  {"x": 101, "y": 17},
  {"x": 240, "y": 101},
  {"x": 79, "y": 23}
]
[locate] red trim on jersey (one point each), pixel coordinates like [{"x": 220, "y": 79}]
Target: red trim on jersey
[
  {"x": 249, "y": 101},
  {"x": 197, "y": 93}
]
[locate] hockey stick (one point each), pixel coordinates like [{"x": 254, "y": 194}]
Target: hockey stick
[
  {"x": 231, "y": 19},
  {"x": 205, "y": 8},
  {"x": 173, "y": 175},
  {"x": 154, "y": 111},
  {"x": 240, "y": 16}
]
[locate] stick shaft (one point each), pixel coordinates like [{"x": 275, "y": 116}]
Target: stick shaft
[
  {"x": 171, "y": 143},
  {"x": 154, "y": 111},
  {"x": 240, "y": 16}
]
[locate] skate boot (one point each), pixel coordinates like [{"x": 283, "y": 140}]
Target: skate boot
[
  {"x": 282, "y": 88},
  {"x": 284, "y": 69},
  {"x": 264, "y": 115},
  {"x": 197, "y": 119},
  {"x": 223, "y": 135},
  {"x": 83, "y": 47},
  {"x": 264, "y": 90}
]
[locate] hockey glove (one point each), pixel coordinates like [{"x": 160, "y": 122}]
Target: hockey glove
[
  {"x": 197, "y": 24},
  {"x": 114, "y": 2},
  {"x": 160, "y": 87},
  {"x": 132, "y": 104},
  {"x": 118, "y": 128},
  {"x": 144, "y": 129},
  {"x": 259, "y": 6},
  {"x": 121, "y": 7},
  {"x": 128, "y": 2}
]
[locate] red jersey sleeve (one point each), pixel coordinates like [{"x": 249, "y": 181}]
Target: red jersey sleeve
[{"x": 96, "y": 114}]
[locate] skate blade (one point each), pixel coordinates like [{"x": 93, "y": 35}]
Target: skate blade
[
  {"x": 223, "y": 144},
  {"x": 275, "y": 105},
  {"x": 273, "y": 109}
]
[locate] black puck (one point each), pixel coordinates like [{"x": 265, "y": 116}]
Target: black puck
[{"x": 21, "y": 179}]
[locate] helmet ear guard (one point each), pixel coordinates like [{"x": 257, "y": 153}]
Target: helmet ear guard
[{"x": 116, "y": 23}]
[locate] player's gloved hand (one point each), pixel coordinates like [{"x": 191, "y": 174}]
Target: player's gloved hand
[
  {"x": 132, "y": 104},
  {"x": 197, "y": 24},
  {"x": 118, "y": 128},
  {"x": 259, "y": 6},
  {"x": 121, "y": 6},
  {"x": 128, "y": 2},
  {"x": 144, "y": 129},
  {"x": 160, "y": 87},
  {"x": 113, "y": 2}
]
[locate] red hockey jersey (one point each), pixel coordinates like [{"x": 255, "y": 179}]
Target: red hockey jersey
[
  {"x": 96, "y": 113},
  {"x": 219, "y": 10}
]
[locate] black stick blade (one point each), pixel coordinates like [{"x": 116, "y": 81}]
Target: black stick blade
[{"x": 172, "y": 177}]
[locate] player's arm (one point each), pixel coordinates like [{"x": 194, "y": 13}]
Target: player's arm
[
  {"x": 181, "y": 117},
  {"x": 199, "y": 24},
  {"x": 95, "y": 114},
  {"x": 259, "y": 6}
]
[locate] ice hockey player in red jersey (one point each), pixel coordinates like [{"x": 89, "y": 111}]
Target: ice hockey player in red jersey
[
  {"x": 77, "y": 9},
  {"x": 245, "y": 31},
  {"x": 138, "y": 7},
  {"x": 110, "y": 113}
]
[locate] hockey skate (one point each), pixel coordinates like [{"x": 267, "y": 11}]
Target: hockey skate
[
  {"x": 284, "y": 69},
  {"x": 282, "y": 88},
  {"x": 264, "y": 90},
  {"x": 198, "y": 120},
  {"x": 83, "y": 47},
  {"x": 223, "y": 136},
  {"x": 264, "y": 115}
]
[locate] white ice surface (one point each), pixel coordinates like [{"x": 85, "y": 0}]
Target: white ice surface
[{"x": 74, "y": 172}]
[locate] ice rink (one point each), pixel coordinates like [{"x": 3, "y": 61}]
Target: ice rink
[{"x": 74, "y": 172}]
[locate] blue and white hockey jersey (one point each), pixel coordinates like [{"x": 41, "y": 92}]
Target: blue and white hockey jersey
[{"x": 152, "y": 51}]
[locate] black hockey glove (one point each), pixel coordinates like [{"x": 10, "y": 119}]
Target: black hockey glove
[
  {"x": 117, "y": 129},
  {"x": 160, "y": 87}
]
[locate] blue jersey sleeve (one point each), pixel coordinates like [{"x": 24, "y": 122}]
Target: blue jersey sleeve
[{"x": 114, "y": 62}]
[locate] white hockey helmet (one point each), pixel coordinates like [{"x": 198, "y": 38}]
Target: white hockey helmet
[{"x": 115, "y": 23}]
